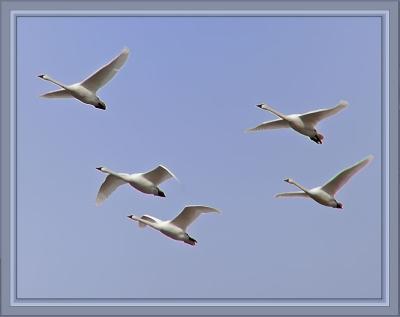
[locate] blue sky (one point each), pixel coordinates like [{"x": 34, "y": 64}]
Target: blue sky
[{"x": 184, "y": 99}]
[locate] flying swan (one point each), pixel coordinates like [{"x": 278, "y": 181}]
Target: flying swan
[
  {"x": 175, "y": 228},
  {"x": 325, "y": 194},
  {"x": 303, "y": 123},
  {"x": 86, "y": 90},
  {"x": 145, "y": 182}
]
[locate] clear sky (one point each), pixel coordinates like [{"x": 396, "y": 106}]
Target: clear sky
[{"x": 184, "y": 99}]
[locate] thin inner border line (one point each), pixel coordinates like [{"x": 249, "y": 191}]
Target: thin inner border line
[{"x": 215, "y": 13}]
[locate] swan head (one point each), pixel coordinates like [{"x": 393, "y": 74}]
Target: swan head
[
  {"x": 130, "y": 217},
  {"x": 261, "y": 105},
  {"x": 101, "y": 169},
  {"x": 288, "y": 180},
  {"x": 43, "y": 76}
]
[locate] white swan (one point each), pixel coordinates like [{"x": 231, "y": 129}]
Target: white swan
[
  {"x": 175, "y": 228},
  {"x": 303, "y": 123},
  {"x": 325, "y": 195},
  {"x": 86, "y": 90},
  {"x": 145, "y": 182}
]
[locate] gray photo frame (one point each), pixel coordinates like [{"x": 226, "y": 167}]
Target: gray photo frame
[{"x": 388, "y": 10}]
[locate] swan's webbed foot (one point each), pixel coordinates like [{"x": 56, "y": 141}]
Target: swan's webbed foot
[
  {"x": 160, "y": 193},
  {"x": 101, "y": 106},
  {"x": 190, "y": 241},
  {"x": 316, "y": 139}
]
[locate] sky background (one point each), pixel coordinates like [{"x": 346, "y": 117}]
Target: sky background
[{"x": 184, "y": 99}]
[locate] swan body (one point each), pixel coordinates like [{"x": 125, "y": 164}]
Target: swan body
[
  {"x": 303, "y": 123},
  {"x": 175, "y": 228},
  {"x": 144, "y": 182},
  {"x": 86, "y": 91},
  {"x": 325, "y": 195}
]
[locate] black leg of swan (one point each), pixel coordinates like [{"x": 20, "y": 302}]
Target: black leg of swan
[
  {"x": 190, "y": 241},
  {"x": 316, "y": 139},
  {"x": 101, "y": 106},
  {"x": 160, "y": 193}
]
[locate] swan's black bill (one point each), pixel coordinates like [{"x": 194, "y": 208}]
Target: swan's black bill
[
  {"x": 99, "y": 168},
  {"x": 41, "y": 76},
  {"x": 260, "y": 105},
  {"x": 130, "y": 216}
]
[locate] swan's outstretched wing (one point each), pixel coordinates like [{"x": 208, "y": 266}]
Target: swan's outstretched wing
[
  {"x": 335, "y": 183},
  {"x": 158, "y": 175},
  {"x": 292, "y": 194},
  {"x": 147, "y": 218},
  {"x": 104, "y": 74},
  {"x": 61, "y": 93},
  {"x": 313, "y": 117},
  {"x": 108, "y": 186},
  {"x": 189, "y": 214},
  {"x": 268, "y": 125}
]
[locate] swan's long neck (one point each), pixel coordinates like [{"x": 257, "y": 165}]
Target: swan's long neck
[
  {"x": 277, "y": 113},
  {"x": 300, "y": 186},
  {"x": 108, "y": 171},
  {"x": 55, "y": 82}
]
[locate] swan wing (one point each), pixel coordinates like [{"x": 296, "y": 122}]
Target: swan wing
[
  {"x": 313, "y": 117},
  {"x": 189, "y": 214},
  {"x": 336, "y": 182},
  {"x": 61, "y": 93},
  {"x": 269, "y": 125},
  {"x": 149, "y": 219},
  {"x": 158, "y": 175},
  {"x": 109, "y": 185},
  {"x": 292, "y": 194},
  {"x": 105, "y": 73}
]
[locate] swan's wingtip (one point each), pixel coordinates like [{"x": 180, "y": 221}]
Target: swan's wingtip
[{"x": 369, "y": 158}]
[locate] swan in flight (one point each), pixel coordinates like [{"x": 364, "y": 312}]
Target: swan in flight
[
  {"x": 303, "y": 123},
  {"x": 325, "y": 195},
  {"x": 175, "y": 228},
  {"x": 86, "y": 90},
  {"x": 145, "y": 182}
]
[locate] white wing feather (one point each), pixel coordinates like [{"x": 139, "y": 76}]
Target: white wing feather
[
  {"x": 149, "y": 219},
  {"x": 106, "y": 73},
  {"x": 158, "y": 175},
  {"x": 61, "y": 93},
  {"x": 313, "y": 117},
  {"x": 336, "y": 182},
  {"x": 269, "y": 125},
  {"x": 189, "y": 214},
  {"x": 292, "y": 194},
  {"x": 109, "y": 185}
]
